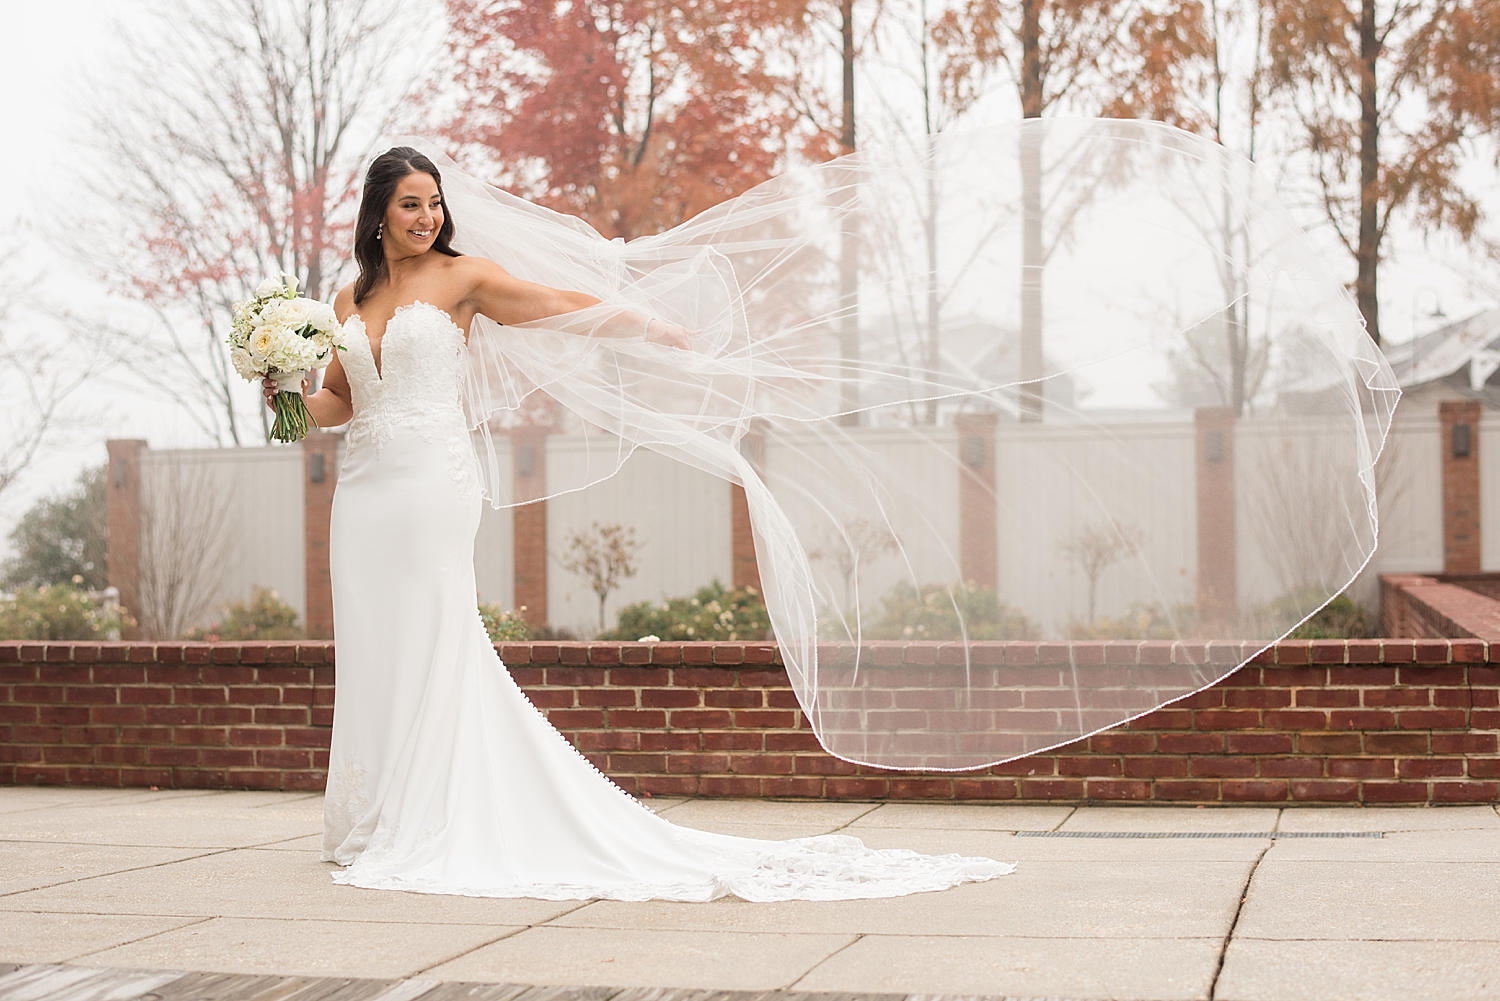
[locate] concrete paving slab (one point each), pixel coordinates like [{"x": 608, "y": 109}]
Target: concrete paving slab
[
  {"x": 1043, "y": 898},
  {"x": 624, "y": 958},
  {"x": 307, "y": 843},
  {"x": 307, "y": 947},
  {"x": 1373, "y": 900},
  {"x": 759, "y": 811},
  {"x": 257, "y": 883},
  {"x": 1123, "y": 969},
  {"x": 1007, "y": 847},
  {"x": 1172, "y": 819},
  {"x": 1261, "y": 970},
  {"x": 1475, "y": 845},
  {"x": 217, "y": 821},
  {"x": 1389, "y": 818},
  {"x": 965, "y": 817},
  {"x": 40, "y": 937},
  {"x": 28, "y": 865},
  {"x": 14, "y": 799}
]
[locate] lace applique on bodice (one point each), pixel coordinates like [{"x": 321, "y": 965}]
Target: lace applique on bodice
[{"x": 419, "y": 385}]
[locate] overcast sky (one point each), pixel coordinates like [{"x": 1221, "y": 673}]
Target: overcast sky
[{"x": 50, "y": 42}]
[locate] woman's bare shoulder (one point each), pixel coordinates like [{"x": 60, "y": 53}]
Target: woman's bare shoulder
[
  {"x": 474, "y": 270},
  {"x": 343, "y": 303}
]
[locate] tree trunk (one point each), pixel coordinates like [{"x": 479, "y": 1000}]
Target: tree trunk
[
  {"x": 934, "y": 354},
  {"x": 849, "y": 239},
  {"x": 1369, "y": 172},
  {"x": 1031, "y": 211}
]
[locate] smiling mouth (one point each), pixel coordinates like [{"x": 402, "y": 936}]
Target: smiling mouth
[{"x": 420, "y": 234}]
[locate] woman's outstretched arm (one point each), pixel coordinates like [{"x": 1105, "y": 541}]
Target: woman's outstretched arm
[{"x": 505, "y": 298}]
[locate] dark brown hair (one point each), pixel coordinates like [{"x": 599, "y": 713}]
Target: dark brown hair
[{"x": 380, "y": 185}]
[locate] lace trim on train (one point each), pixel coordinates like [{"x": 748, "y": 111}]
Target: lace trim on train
[
  {"x": 418, "y": 386},
  {"x": 829, "y": 867}
]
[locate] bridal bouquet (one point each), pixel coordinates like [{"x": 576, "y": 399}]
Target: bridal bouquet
[{"x": 282, "y": 335}]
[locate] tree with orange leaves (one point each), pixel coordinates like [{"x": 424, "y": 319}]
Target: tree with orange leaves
[
  {"x": 634, "y": 115},
  {"x": 1350, "y": 70}
]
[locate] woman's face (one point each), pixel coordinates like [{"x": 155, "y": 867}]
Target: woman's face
[{"x": 413, "y": 217}]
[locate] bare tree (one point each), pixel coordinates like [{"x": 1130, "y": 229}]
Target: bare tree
[
  {"x": 852, "y": 546},
  {"x": 1095, "y": 548},
  {"x": 184, "y": 545},
  {"x": 42, "y": 366},
  {"x": 232, "y": 137},
  {"x": 603, "y": 555}
]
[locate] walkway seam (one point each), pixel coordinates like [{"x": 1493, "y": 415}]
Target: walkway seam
[
  {"x": 1213, "y": 986},
  {"x": 808, "y": 972},
  {"x": 116, "y": 945}
]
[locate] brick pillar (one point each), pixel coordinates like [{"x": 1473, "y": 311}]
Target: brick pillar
[
  {"x": 1215, "y": 474},
  {"x": 124, "y": 522},
  {"x": 528, "y": 456},
  {"x": 745, "y": 570},
  {"x": 320, "y": 472},
  {"x": 1460, "y": 419},
  {"x": 976, "y": 499}
]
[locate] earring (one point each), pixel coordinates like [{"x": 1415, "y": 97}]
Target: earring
[{"x": 379, "y": 230}]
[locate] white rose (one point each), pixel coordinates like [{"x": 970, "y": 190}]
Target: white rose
[
  {"x": 294, "y": 313},
  {"x": 322, "y": 317},
  {"x": 244, "y": 364},
  {"x": 269, "y": 287},
  {"x": 261, "y": 344}
]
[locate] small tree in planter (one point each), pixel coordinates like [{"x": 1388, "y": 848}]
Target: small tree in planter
[{"x": 603, "y": 555}]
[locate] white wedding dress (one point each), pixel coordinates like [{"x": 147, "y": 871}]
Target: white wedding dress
[{"x": 443, "y": 777}]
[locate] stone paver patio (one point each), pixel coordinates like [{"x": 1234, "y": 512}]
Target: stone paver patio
[{"x": 230, "y": 882}]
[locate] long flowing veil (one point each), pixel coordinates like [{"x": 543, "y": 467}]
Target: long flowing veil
[{"x": 1064, "y": 379}]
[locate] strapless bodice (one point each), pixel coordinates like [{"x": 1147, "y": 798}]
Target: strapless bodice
[{"x": 418, "y": 386}]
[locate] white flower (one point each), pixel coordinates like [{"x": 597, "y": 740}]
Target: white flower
[
  {"x": 293, "y": 313},
  {"x": 261, "y": 344},
  {"x": 268, "y": 288},
  {"x": 322, "y": 317},
  {"x": 290, "y": 281},
  {"x": 244, "y": 364}
]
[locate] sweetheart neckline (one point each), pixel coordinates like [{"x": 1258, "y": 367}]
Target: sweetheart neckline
[{"x": 369, "y": 344}]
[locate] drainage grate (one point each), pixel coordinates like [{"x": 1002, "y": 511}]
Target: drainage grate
[{"x": 1200, "y": 834}]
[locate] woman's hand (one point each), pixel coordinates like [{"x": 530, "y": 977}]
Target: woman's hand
[
  {"x": 268, "y": 387},
  {"x": 670, "y": 334}
]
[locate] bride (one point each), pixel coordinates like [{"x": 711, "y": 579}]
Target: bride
[{"x": 443, "y": 778}]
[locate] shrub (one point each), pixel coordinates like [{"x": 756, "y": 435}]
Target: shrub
[
  {"x": 58, "y": 612},
  {"x": 504, "y": 626},
  {"x": 711, "y": 614},
  {"x": 62, "y": 538},
  {"x": 1140, "y": 622},
  {"x": 1340, "y": 619},
  {"x": 932, "y": 613},
  {"x": 264, "y": 617}
]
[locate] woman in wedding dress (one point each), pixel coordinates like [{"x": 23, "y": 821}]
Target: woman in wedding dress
[{"x": 443, "y": 777}]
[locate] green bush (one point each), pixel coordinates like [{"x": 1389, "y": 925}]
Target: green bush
[
  {"x": 932, "y": 613},
  {"x": 1340, "y": 619},
  {"x": 710, "y": 615},
  {"x": 504, "y": 626},
  {"x": 62, "y": 538},
  {"x": 1140, "y": 622},
  {"x": 264, "y": 617},
  {"x": 58, "y": 612}
]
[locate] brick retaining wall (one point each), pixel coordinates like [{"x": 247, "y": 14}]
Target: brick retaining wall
[{"x": 1378, "y": 721}]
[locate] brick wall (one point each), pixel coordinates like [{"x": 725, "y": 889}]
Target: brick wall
[
  {"x": 1423, "y": 607},
  {"x": 1376, "y": 721}
]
